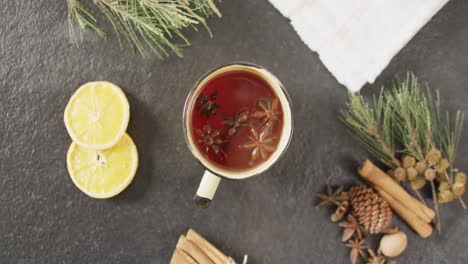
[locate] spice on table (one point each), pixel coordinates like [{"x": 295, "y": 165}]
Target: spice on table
[
  {"x": 366, "y": 213},
  {"x": 371, "y": 210},
  {"x": 406, "y": 130},
  {"x": 393, "y": 245},
  {"x": 193, "y": 248},
  {"x": 358, "y": 248},
  {"x": 380, "y": 179}
]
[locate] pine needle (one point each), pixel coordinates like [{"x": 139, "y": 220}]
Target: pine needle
[
  {"x": 372, "y": 126},
  {"x": 83, "y": 16},
  {"x": 149, "y": 26},
  {"x": 412, "y": 117}
]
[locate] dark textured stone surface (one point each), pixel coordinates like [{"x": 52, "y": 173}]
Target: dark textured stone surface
[{"x": 45, "y": 219}]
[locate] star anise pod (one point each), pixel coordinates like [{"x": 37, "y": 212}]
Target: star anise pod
[
  {"x": 261, "y": 144},
  {"x": 210, "y": 139},
  {"x": 207, "y": 105},
  {"x": 357, "y": 247},
  {"x": 330, "y": 197},
  {"x": 378, "y": 258},
  {"x": 268, "y": 112},
  {"x": 340, "y": 211},
  {"x": 351, "y": 227},
  {"x": 239, "y": 120}
]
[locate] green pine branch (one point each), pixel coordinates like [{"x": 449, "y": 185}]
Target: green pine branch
[
  {"x": 447, "y": 129},
  {"x": 372, "y": 126},
  {"x": 404, "y": 116},
  {"x": 149, "y": 26},
  {"x": 412, "y": 117}
]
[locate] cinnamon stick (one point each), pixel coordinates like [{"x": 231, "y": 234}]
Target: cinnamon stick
[
  {"x": 215, "y": 255},
  {"x": 193, "y": 250},
  {"x": 380, "y": 179},
  {"x": 421, "y": 227},
  {"x": 180, "y": 257}
]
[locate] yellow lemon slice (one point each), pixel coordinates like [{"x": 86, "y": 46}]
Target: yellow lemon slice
[
  {"x": 103, "y": 173},
  {"x": 97, "y": 115}
]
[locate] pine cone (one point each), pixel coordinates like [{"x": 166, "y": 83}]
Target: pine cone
[{"x": 371, "y": 210}]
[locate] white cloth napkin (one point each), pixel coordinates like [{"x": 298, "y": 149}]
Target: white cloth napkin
[{"x": 357, "y": 39}]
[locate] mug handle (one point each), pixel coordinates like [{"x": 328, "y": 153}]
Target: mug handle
[{"x": 206, "y": 190}]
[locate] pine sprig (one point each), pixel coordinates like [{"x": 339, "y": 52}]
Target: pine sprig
[
  {"x": 411, "y": 119},
  {"x": 83, "y": 17},
  {"x": 372, "y": 126},
  {"x": 150, "y": 26},
  {"x": 412, "y": 116},
  {"x": 447, "y": 129}
]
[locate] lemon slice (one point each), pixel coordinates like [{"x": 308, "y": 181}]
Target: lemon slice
[
  {"x": 97, "y": 115},
  {"x": 103, "y": 173}
]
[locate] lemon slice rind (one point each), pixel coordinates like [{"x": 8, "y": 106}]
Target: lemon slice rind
[
  {"x": 118, "y": 189},
  {"x": 124, "y": 123}
]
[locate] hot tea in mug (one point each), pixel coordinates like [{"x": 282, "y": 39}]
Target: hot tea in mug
[{"x": 238, "y": 123}]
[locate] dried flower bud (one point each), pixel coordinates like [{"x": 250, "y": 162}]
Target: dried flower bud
[
  {"x": 400, "y": 174},
  {"x": 430, "y": 174},
  {"x": 408, "y": 162},
  {"x": 433, "y": 156},
  {"x": 458, "y": 187},
  {"x": 412, "y": 173},
  {"x": 444, "y": 186},
  {"x": 445, "y": 196},
  {"x": 442, "y": 177},
  {"x": 460, "y": 178},
  {"x": 442, "y": 166},
  {"x": 418, "y": 183},
  {"x": 420, "y": 166}
]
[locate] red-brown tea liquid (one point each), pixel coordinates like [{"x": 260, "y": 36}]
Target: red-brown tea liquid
[{"x": 236, "y": 121}]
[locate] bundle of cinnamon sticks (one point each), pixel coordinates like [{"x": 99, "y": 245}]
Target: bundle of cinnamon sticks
[
  {"x": 416, "y": 214},
  {"x": 194, "y": 249}
]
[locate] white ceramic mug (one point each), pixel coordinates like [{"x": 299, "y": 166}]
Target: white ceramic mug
[{"x": 213, "y": 174}]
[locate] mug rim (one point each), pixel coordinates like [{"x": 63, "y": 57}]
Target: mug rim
[{"x": 185, "y": 114}]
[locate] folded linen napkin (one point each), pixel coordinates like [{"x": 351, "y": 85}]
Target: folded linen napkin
[{"x": 357, "y": 39}]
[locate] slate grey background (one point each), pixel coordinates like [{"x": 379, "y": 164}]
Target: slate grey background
[{"x": 45, "y": 219}]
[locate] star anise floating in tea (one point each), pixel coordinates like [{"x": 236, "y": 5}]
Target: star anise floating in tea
[
  {"x": 261, "y": 144},
  {"x": 239, "y": 120},
  {"x": 207, "y": 105},
  {"x": 269, "y": 111},
  {"x": 210, "y": 139}
]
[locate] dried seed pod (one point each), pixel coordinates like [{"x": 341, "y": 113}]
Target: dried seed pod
[
  {"x": 433, "y": 156},
  {"x": 400, "y": 174},
  {"x": 420, "y": 166},
  {"x": 340, "y": 211},
  {"x": 460, "y": 178},
  {"x": 408, "y": 162},
  {"x": 442, "y": 166},
  {"x": 430, "y": 174},
  {"x": 458, "y": 187},
  {"x": 393, "y": 245},
  {"x": 442, "y": 177},
  {"x": 412, "y": 173},
  {"x": 418, "y": 182},
  {"x": 445, "y": 196},
  {"x": 444, "y": 186}
]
